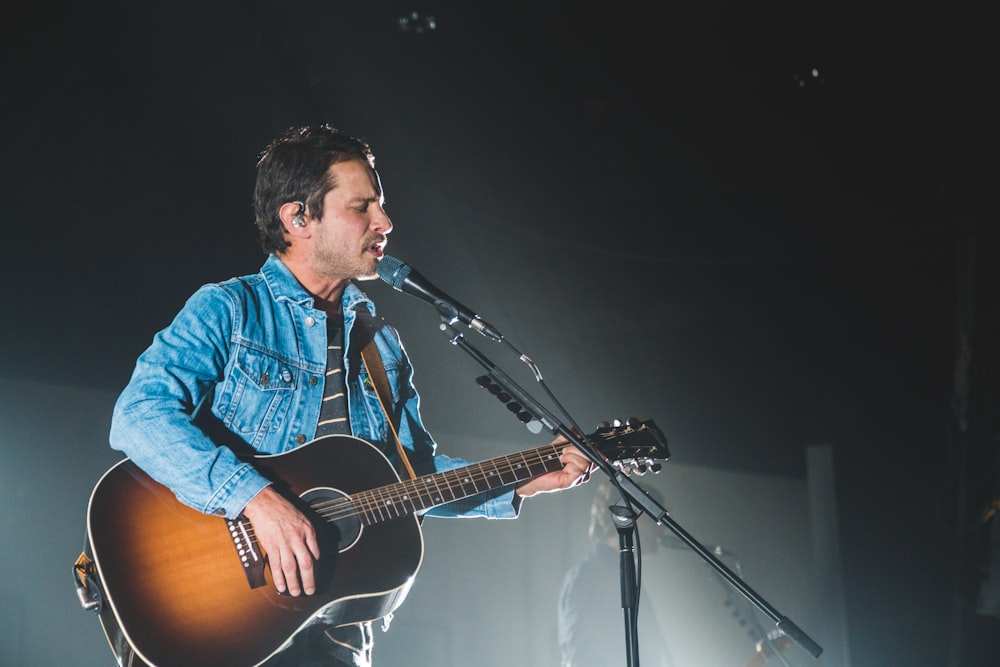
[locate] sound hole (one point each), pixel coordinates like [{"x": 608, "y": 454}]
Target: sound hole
[{"x": 335, "y": 519}]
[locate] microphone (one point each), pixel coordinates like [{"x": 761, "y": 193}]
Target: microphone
[{"x": 402, "y": 277}]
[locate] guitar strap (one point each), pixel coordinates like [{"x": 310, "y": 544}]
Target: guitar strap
[{"x": 372, "y": 361}]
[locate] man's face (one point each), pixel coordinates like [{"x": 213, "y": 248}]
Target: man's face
[{"x": 350, "y": 238}]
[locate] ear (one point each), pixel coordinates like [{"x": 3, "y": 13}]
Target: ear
[{"x": 293, "y": 218}]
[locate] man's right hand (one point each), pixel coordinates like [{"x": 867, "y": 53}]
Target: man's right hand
[{"x": 288, "y": 539}]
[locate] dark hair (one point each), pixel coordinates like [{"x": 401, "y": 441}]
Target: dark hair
[{"x": 295, "y": 167}]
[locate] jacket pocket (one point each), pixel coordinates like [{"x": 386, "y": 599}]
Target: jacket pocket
[{"x": 257, "y": 393}]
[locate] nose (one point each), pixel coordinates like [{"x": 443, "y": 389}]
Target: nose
[{"x": 381, "y": 222}]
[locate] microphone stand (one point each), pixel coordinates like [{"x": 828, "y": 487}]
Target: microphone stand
[{"x": 624, "y": 522}]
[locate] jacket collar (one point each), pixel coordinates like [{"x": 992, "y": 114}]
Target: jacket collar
[{"x": 284, "y": 287}]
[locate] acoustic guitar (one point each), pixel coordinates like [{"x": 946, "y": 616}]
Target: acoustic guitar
[{"x": 179, "y": 588}]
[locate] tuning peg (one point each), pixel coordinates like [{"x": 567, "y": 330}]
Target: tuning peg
[
  {"x": 649, "y": 466},
  {"x": 616, "y": 422},
  {"x": 603, "y": 425}
]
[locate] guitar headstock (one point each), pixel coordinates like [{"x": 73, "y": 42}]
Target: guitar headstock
[{"x": 632, "y": 446}]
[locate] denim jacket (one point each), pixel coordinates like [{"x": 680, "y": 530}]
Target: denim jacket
[{"x": 240, "y": 371}]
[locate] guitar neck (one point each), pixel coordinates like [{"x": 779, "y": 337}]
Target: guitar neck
[{"x": 423, "y": 493}]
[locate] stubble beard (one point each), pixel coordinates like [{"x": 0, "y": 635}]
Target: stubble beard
[{"x": 339, "y": 265}]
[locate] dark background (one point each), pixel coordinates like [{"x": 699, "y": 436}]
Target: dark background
[{"x": 764, "y": 227}]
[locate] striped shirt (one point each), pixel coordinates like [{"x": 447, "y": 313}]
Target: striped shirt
[{"x": 333, "y": 416}]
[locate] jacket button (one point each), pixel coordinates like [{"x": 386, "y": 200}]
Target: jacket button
[
  {"x": 310, "y": 321},
  {"x": 265, "y": 378},
  {"x": 313, "y": 380},
  {"x": 300, "y": 438},
  {"x": 286, "y": 375}
]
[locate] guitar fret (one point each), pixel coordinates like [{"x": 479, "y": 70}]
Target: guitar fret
[
  {"x": 404, "y": 497},
  {"x": 413, "y": 495},
  {"x": 491, "y": 474},
  {"x": 369, "y": 506},
  {"x": 391, "y": 504},
  {"x": 362, "y": 507},
  {"x": 466, "y": 478},
  {"x": 454, "y": 479},
  {"x": 435, "y": 494},
  {"x": 443, "y": 486},
  {"x": 395, "y": 503},
  {"x": 545, "y": 463},
  {"x": 511, "y": 477},
  {"x": 380, "y": 504},
  {"x": 521, "y": 469},
  {"x": 375, "y": 506},
  {"x": 417, "y": 497}
]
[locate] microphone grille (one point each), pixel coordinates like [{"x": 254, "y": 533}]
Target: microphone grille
[{"x": 393, "y": 271}]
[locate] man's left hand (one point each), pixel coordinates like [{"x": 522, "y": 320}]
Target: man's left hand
[{"x": 576, "y": 470}]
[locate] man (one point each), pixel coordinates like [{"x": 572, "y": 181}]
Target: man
[{"x": 264, "y": 363}]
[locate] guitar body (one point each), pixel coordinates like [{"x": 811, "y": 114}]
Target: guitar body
[{"x": 178, "y": 591}]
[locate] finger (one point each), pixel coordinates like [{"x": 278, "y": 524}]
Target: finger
[
  {"x": 290, "y": 568},
  {"x": 312, "y": 541},
  {"x": 583, "y": 470},
  {"x": 307, "y": 571},
  {"x": 575, "y": 462},
  {"x": 277, "y": 574}
]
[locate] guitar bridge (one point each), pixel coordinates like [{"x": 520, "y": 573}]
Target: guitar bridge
[{"x": 247, "y": 550}]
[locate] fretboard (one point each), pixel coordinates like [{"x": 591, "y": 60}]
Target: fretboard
[{"x": 412, "y": 495}]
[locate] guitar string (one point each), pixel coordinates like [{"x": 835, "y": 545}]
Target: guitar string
[
  {"x": 380, "y": 500},
  {"x": 366, "y": 504},
  {"x": 383, "y": 499}
]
